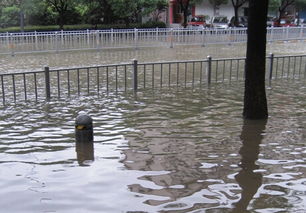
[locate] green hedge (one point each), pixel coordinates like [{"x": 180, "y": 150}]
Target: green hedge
[{"x": 82, "y": 27}]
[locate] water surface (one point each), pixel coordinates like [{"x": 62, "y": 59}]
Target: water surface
[{"x": 174, "y": 150}]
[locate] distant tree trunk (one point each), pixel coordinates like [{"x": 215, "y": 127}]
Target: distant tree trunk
[
  {"x": 184, "y": 6},
  {"x": 282, "y": 8},
  {"x": 237, "y": 4},
  {"x": 255, "y": 102}
]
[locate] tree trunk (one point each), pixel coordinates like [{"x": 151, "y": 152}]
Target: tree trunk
[
  {"x": 255, "y": 102},
  {"x": 236, "y": 21}
]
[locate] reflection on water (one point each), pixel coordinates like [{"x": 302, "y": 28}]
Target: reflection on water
[
  {"x": 162, "y": 151},
  {"x": 85, "y": 152},
  {"x": 248, "y": 180}
]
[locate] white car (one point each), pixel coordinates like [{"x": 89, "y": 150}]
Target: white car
[{"x": 219, "y": 22}]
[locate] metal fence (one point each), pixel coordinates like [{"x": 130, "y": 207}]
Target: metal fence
[
  {"x": 73, "y": 82},
  {"x": 12, "y": 43}
]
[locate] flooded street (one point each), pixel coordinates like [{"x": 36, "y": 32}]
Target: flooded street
[
  {"x": 37, "y": 61},
  {"x": 169, "y": 150}
]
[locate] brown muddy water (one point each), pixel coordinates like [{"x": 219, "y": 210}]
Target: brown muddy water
[
  {"x": 168, "y": 150},
  {"x": 162, "y": 151},
  {"x": 37, "y": 61}
]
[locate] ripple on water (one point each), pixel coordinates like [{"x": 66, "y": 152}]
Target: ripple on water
[{"x": 176, "y": 151}]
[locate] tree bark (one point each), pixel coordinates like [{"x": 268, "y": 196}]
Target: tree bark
[{"x": 255, "y": 102}]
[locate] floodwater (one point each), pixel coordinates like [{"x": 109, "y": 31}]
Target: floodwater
[
  {"x": 37, "y": 61},
  {"x": 169, "y": 150}
]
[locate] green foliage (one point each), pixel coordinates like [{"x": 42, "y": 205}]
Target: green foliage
[
  {"x": 218, "y": 2},
  {"x": 9, "y": 16},
  {"x": 153, "y": 24}
]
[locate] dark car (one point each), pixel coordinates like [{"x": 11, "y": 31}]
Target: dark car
[{"x": 242, "y": 21}]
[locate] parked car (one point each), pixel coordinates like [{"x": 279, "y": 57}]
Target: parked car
[
  {"x": 219, "y": 22},
  {"x": 284, "y": 22},
  {"x": 197, "y": 21},
  {"x": 242, "y": 21},
  {"x": 270, "y": 21}
]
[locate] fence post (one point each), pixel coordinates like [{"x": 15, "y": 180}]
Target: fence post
[
  {"x": 97, "y": 39},
  {"x": 271, "y": 66},
  {"x": 112, "y": 36},
  {"x": 56, "y": 41},
  {"x": 135, "y": 38},
  {"x": 203, "y": 36},
  {"x": 36, "y": 40},
  {"x": 11, "y": 45},
  {"x": 209, "y": 60},
  {"x": 47, "y": 83},
  {"x": 135, "y": 75},
  {"x": 171, "y": 38},
  {"x": 87, "y": 35}
]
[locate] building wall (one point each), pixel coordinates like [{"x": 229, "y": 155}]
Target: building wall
[{"x": 205, "y": 8}]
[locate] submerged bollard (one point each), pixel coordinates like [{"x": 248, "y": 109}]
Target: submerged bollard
[
  {"x": 84, "y": 139},
  {"x": 83, "y": 128}
]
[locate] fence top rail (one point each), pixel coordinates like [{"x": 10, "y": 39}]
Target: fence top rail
[
  {"x": 21, "y": 73},
  {"x": 143, "y": 64},
  {"x": 177, "y": 29}
]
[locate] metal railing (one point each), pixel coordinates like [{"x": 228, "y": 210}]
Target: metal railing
[
  {"x": 61, "y": 83},
  {"x": 12, "y": 43}
]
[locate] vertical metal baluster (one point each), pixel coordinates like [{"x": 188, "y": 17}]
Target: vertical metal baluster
[
  {"x": 14, "y": 87},
  {"x": 169, "y": 78},
  {"x": 237, "y": 69},
  {"x": 98, "y": 80},
  {"x": 116, "y": 78},
  {"x": 88, "y": 81},
  {"x": 153, "y": 76},
  {"x": 185, "y": 74},
  {"x": 231, "y": 66},
  {"x": 201, "y": 67},
  {"x": 144, "y": 76},
  {"x": 294, "y": 67},
  {"x": 47, "y": 83},
  {"x": 283, "y": 65},
  {"x": 68, "y": 82},
  {"x": 209, "y": 65},
  {"x": 276, "y": 68},
  {"x": 58, "y": 85},
  {"x": 177, "y": 73},
  {"x": 161, "y": 75},
  {"x": 223, "y": 74},
  {"x": 78, "y": 79},
  {"x": 107, "y": 86},
  {"x": 125, "y": 79},
  {"x": 35, "y": 87},
  {"x": 25, "y": 87},
  {"x": 289, "y": 61},
  {"x": 217, "y": 67},
  {"x": 300, "y": 66},
  {"x": 193, "y": 73},
  {"x": 3, "y": 92}
]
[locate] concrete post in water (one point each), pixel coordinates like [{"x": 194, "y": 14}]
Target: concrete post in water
[
  {"x": 84, "y": 139},
  {"x": 83, "y": 128}
]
